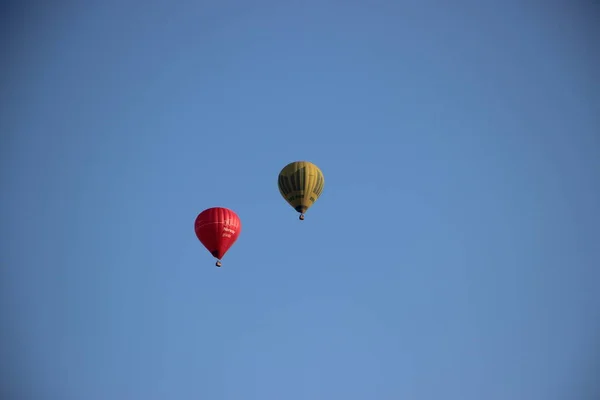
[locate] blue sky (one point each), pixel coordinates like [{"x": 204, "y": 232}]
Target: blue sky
[{"x": 453, "y": 253}]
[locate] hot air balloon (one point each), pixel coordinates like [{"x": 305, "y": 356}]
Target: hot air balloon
[
  {"x": 301, "y": 183},
  {"x": 217, "y": 229}
]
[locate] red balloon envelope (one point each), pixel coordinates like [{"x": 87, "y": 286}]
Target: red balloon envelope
[{"x": 217, "y": 229}]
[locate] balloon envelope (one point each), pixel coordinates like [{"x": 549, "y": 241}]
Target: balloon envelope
[
  {"x": 301, "y": 183},
  {"x": 217, "y": 229}
]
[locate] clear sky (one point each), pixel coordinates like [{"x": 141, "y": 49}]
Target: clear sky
[{"x": 453, "y": 254}]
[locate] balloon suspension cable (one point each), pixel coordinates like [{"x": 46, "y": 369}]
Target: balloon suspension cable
[
  {"x": 218, "y": 264},
  {"x": 301, "y": 217}
]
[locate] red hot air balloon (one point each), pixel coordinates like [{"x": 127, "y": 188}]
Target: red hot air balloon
[{"x": 217, "y": 229}]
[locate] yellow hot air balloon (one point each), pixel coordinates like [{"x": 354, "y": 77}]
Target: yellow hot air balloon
[{"x": 301, "y": 183}]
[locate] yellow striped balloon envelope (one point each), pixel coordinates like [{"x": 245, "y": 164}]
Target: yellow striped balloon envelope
[{"x": 301, "y": 183}]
